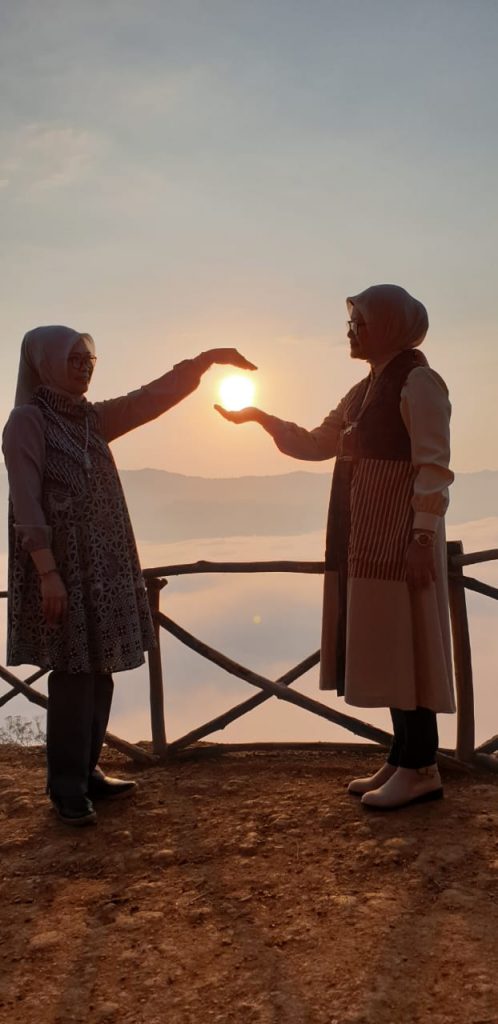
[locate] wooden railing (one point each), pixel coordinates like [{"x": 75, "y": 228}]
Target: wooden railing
[{"x": 156, "y": 578}]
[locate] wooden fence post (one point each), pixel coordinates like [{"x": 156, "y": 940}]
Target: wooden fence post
[
  {"x": 159, "y": 742},
  {"x": 465, "y": 745}
]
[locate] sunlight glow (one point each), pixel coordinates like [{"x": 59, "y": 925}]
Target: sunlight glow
[{"x": 236, "y": 392}]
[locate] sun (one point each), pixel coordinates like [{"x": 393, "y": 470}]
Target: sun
[{"x": 236, "y": 392}]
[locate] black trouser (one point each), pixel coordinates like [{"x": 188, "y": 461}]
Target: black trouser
[
  {"x": 415, "y": 740},
  {"x": 78, "y": 712}
]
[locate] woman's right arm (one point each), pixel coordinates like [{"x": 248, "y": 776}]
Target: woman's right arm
[
  {"x": 310, "y": 445},
  {"x": 117, "y": 416},
  {"x": 23, "y": 446}
]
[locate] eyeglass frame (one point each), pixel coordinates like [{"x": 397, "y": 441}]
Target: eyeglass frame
[
  {"x": 354, "y": 325},
  {"x": 79, "y": 360}
]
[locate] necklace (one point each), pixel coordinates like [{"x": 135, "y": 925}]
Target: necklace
[{"x": 87, "y": 462}]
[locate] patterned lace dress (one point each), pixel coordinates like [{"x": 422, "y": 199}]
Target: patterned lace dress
[{"x": 85, "y": 520}]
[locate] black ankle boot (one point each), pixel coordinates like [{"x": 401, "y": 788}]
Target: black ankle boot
[
  {"x": 74, "y": 810},
  {"x": 103, "y": 787}
]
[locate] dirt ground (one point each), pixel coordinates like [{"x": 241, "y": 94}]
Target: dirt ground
[{"x": 248, "y": 888}]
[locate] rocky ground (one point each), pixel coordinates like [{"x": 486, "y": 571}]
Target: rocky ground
[{"x": 248, "y": 888}]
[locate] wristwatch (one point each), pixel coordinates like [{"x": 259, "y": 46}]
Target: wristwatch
[{"x": 423, "y": 538}]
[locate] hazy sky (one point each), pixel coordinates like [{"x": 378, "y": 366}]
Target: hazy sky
[{"x": 176, "y": 175}]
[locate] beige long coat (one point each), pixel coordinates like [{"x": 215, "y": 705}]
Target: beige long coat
[{"x": 398, "y": 648}]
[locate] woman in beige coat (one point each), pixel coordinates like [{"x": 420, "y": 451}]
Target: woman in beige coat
[{"x": 385, "y": 634}]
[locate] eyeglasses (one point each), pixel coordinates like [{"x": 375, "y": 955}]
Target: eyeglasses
[
  {"x": 79, "y": 362},
  {"x": 354, "y": 325}
]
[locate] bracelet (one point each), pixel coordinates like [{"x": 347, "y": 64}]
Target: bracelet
[
  {"x": 424, "y": 538},
  {"x": 47, "y": 573}
]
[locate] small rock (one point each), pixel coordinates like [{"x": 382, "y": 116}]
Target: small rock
[
  {"x": 44, "y": 940},
  {"x": 281, "y": 822},
  {"x": 106, "y": 1011},
  {"x": 148, "y": 916},
  {"x": 368, "y": 848},
  {"x": 199, "y": 914},
  {"x": 147, "y": 804},
  {"x": 10, "y": 793},
  {"x": 361, "y": 830},
  {"x": 456, "y": 899},
  {"x": 247, "y": 849},
  {"x": 431, "y": 860},
  {"x": 328, "y": 821},
  {"x": 344, "y": 901},
  {"x": 487, "y": 820},
  {"x": 398, "y": 843},
  {"x": 127, "y": 956},
  {"x": 20, "y": 805},
  {"x": 144, "y": 888},
  {"x": 164, "y": 857},
  {"x": 485, "y": 790},
  {"x": 249, "y": 844},
  {"x": 142, "y": 917},
  {"x": 122, "y": 836}
]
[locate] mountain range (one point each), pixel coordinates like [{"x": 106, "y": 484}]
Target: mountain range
[{"x": 170, "y": 506}]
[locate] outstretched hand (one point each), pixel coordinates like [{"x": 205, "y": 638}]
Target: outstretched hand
[
  {"x": 238, "y": 415},
  {"x": 229, "y": 357}
]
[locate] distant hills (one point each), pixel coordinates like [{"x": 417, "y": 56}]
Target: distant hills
[{"x": 170, "y": 507}]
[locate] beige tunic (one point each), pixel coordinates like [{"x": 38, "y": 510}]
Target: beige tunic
[{"x": 398, "y": 641}]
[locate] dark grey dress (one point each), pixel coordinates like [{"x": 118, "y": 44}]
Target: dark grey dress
[{"x": 66, "y": 494}]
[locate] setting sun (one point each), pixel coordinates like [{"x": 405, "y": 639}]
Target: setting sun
[{"x": 236, "y": 392}]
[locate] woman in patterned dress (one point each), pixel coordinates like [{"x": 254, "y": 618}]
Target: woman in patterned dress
[
  {"x": 77, "y": 601},
  {"x": 385, "y": 627}
]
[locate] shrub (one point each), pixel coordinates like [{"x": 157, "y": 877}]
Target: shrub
[{"x": 20, "y": 731}]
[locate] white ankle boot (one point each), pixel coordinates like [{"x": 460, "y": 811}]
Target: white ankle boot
[
  {"x": 406, "y": 786},
  {"x": 361, "y": 786}
]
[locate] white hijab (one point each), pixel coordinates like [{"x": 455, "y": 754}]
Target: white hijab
[
  {"x": 401, "y": 320},
  {"x": 44, "y": 355}
]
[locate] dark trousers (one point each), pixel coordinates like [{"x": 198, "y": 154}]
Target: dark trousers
[
  {"x": 78, "y": 712},
  {"x": 415, "y": 740}
]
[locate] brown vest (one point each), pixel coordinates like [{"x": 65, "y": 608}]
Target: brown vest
[{"x": 375, "y": 429}]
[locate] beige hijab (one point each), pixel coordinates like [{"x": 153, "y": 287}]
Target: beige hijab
[
  {"x": 44, "y": 355},
  {"x": 399, "y": 319}
]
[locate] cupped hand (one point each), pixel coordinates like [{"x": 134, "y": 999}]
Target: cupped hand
[
  {"x": 238, "y": 415},
  {"x": 54, "y": 598},
  {"x": 420, "y": 566},
  {"x": 230, "y": 357}
]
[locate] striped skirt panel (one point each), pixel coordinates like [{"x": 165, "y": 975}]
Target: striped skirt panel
[{"x": 381, "y": 519}]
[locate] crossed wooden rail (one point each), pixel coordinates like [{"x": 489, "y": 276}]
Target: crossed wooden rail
[{"x": 156, "y": 579}]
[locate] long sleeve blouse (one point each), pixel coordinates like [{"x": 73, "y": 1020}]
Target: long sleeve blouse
[
  {"x": 425, "y": 409},
  {"x": 24, "y": 442}
]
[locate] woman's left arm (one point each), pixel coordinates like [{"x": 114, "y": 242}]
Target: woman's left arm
[
  {"x": 426, "y": 410},
  {"x": 117, "y": 416}
]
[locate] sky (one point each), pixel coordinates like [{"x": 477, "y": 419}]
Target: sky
[{"x": 177, "y": 175}]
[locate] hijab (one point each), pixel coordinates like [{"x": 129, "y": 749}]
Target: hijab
[
  {"x": 399, "y": 319},
  {"x": 44, "y": 356}
]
